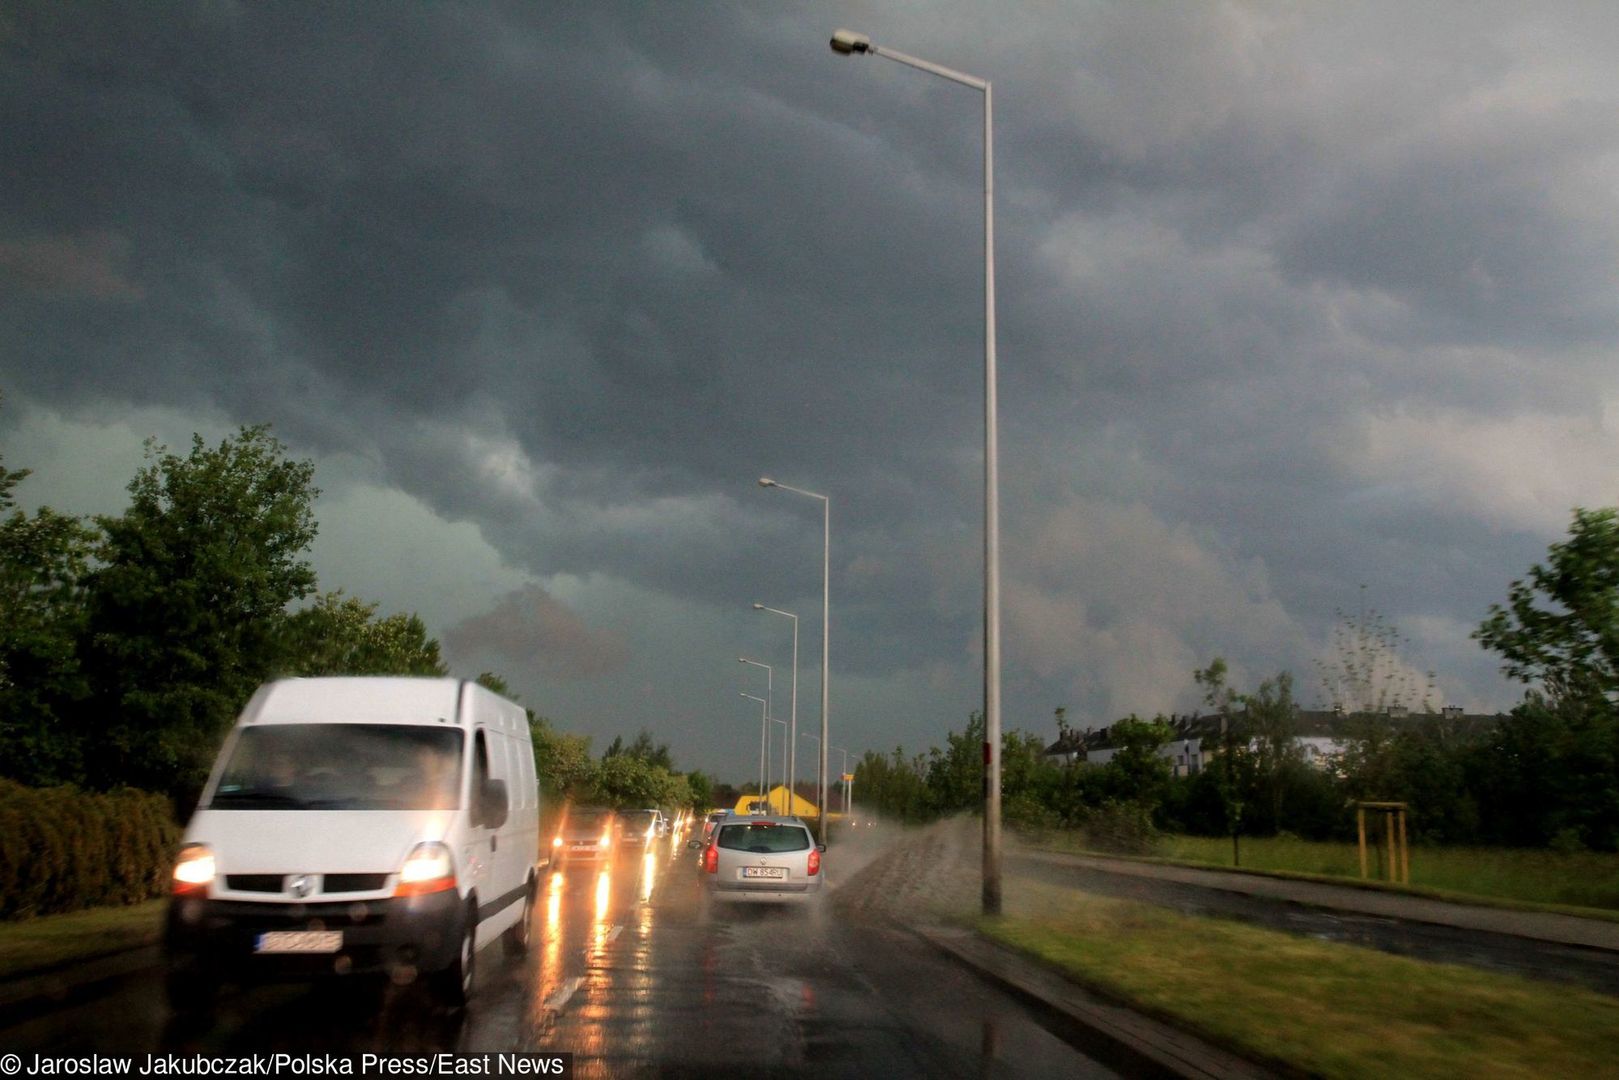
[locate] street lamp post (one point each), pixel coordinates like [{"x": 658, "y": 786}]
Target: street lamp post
[
  {"x": 784, "y": 737},
  {"x": 770, "y": 698},
  {"x": 792, "y": 762},
  {"x": 826, "y": 636},
  {"x": 764, "y": 729},
  {"x": 849, "y": 43}
]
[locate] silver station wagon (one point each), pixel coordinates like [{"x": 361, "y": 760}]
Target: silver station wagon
[{"x": 762, "y": 859}]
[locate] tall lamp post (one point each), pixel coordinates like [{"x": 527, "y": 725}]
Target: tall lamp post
[
  {"x": 764, "y": 728},
  {"x": 826, "y": 637},
  {"x": 784, "y": 738},
  {"x": 792, "y": 731},
  {"x": 770, "y": 697},
  {"x": 848, "y": 43}
]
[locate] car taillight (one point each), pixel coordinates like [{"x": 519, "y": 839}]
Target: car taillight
[
  {"x": 814, "y": 862},
  {"x": 428, "y": 869},
  {"x": 711, "y": 859},
  {"x": 193, "y": 870}
]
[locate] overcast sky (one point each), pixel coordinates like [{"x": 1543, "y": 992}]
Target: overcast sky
[{"x": 1293, "y": 299}]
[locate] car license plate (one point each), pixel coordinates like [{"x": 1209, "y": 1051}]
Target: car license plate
[
  {"x": 764, "y": 871},
  {"x": 299, "y": 941}
]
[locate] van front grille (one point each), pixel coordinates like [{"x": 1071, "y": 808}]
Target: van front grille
[
  {"x": 253, "y": 882},
  {"x": 342, "y": 883}
]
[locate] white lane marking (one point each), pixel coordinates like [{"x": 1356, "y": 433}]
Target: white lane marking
[
  {"x": 559, "y": 997},
  {"x": 614, "y": 932}
]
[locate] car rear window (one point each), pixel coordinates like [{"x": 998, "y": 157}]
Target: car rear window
[{"x": 763, "y": 837}]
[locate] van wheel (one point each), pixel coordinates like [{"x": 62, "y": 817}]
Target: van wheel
[
  {"x": 453, "y": 986},
  {"x": 515, "y": 940}
]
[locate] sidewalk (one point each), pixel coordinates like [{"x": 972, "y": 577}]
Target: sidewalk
[{"x": 1533, "y": 925}]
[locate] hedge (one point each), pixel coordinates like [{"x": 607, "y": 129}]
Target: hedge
[{"x": 62, "y": 849}]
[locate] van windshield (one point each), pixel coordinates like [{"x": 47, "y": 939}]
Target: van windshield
[{"x": 342, "y": 767}]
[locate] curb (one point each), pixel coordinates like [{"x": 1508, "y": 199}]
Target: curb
[{"x": 1122, "y": 1038}]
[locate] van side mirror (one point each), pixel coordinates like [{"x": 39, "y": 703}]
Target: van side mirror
[
  {"x": 821, "y": 848},
  {"x": 694, "y": 843},
  {"x": 492, "y": 804}
]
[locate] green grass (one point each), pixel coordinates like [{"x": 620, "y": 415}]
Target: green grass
[
  {"x": 57, "y": 939},
  {"x": 1324, "y": 1008},
  {"x": 1586, "y": 879}
]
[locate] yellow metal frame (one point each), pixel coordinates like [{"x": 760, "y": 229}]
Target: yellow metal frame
[{"x": 1399, "y": 852}]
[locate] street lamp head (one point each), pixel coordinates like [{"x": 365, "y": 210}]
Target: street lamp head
[
  {"x": 758, "y": 607},
  {"x": 765, "y": 481},
  {"x": 845, "y": 42}
]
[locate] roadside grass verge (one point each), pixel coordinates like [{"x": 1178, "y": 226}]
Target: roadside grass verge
[
  {"x": 45, "y": 942},
  {"x": 1584, "y": 879},
  {"x": 1325, "y": 1008}
]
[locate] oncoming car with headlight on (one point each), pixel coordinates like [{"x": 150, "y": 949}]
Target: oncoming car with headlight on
[{"x": 587, "y": 835}]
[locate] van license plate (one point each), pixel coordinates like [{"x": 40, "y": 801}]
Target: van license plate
[
  {"x": 764, "y": 871},
  {"x": 299, "y": 941}
]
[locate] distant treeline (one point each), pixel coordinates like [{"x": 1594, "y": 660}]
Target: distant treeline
[{"x": 1546, "y": 776}]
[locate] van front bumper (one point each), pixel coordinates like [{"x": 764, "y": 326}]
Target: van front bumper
[{"x": 401, "y": 936}]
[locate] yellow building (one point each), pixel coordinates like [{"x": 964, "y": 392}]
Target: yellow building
[{"x": 800, "y": 806}]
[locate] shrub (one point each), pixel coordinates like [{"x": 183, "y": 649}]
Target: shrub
[
  {"x": 62, "y": 849},
  {"x": 1122, "y": 827}
]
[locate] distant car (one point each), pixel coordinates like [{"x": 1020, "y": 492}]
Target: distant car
[
  {"x": 637, "y": 828},
  {"x": 762, "y": 860},
  {"x": 585, "y": 835},
  {"x": 714, "y": 818},
  {"x": 662, "y": 824}
]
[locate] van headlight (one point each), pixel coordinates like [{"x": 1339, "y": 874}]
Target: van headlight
[
  {"x": 193, "y": 870},
  {"x": 428, "y": 869}
]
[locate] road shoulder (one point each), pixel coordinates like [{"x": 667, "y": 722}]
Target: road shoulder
[{"x": 1136, "y": 1044}]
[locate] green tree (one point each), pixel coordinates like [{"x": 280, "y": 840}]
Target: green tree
[
  {"x": 955, "y": 775},
  {"x": 1560, "y": 626},
  {"x": 1272, "y": 725},
  {"x": 1137, "y": 772},
  {"x": 341, "y": 635},
  {"x": 563, "y": 762},
  {"x": 623, "y": 781},
  {"x": 43, "y": 559},
  {"x": 699, "y": 791},
  {"x": 1218, "y": 694},
  {"x": 187, "y": 607}
]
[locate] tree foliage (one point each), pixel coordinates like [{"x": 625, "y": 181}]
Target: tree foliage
[
  {"x": 186, "y": 607},
  {"x": 43, "y": 559},
  {"x": 341, "y": 635},
  {"x": 1560, "y": 626}
]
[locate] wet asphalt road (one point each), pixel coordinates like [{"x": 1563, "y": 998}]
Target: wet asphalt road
[{"x": 630, "y": 975}]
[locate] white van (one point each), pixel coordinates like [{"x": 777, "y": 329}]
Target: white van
[{"x": 359, "y": 825}]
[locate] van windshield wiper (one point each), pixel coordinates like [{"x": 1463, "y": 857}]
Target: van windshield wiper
[{"x": 260, "y": 796}]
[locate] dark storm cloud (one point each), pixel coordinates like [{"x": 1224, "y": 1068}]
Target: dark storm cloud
[
  {"x": 530, "y": 627},
  {"x": 579, "y": 274}
]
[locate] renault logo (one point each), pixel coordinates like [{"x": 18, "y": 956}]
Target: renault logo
[{"x": 301, "y": 886}]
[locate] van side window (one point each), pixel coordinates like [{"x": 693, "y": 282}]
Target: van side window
[{"x": 480, "y": 769}]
